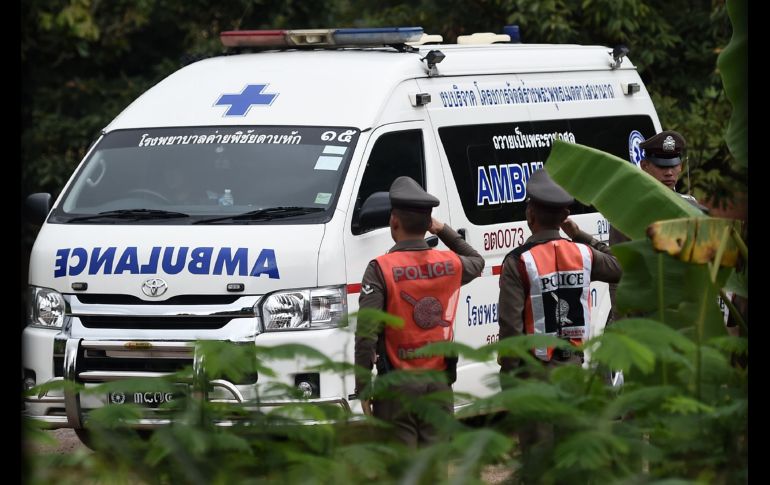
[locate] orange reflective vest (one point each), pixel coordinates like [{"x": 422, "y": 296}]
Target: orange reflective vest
[
  {"x": 557, "y": 277},
  {"x": 423, "y": 288}
]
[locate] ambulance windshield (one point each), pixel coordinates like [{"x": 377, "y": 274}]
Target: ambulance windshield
[{"x": 217, "y": 175}]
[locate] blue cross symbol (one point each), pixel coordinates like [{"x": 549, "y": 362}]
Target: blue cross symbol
[{"x": 240, "y": 104}]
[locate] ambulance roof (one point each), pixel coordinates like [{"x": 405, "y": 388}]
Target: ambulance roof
[{"x": 332, "y": 87}]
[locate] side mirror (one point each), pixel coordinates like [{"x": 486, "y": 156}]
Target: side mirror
[
  {"x": 36, "y": 207},
  {"x": 375, "y": 212}
]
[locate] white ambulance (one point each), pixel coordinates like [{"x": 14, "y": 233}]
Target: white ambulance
[{"x": 229, "y": 202}]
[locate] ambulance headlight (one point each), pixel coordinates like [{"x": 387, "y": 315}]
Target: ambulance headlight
[
  {"x": 305, "y": 309},
  {"x": 45, "y": 308}
]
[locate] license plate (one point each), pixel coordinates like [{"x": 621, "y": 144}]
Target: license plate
[{"x": 151, "y": 399}]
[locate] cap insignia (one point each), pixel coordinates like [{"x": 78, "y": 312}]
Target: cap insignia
[{"x": 668, "y": 144}]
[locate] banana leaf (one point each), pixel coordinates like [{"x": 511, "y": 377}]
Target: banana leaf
[
  {"x": 733, "y": 65},
  {"x": 660, "y": 286},
  {"x": 697, "y": 240},
  {"x": 628, "y": 197}
]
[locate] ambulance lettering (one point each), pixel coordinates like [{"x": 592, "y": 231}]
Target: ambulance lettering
[
  {"x": 480, "y": 314},
  {"x": 169, "y": 260},
  {"x": 504, "y": 183}
]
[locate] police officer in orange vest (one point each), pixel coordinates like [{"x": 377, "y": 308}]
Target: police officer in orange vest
[
  {"x": 420, "y": 285},
  {"x": 545, "y": 283}
]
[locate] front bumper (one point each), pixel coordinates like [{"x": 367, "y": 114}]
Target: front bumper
[{"x": 62, "y": 406}]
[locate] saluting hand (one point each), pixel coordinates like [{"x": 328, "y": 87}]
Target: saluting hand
[
  {"x": 570, "y": 227},
  {"x": 435, "y": 226},
  {"x": 366, "y": 405}
]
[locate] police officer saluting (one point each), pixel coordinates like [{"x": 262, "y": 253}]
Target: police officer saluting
[
  {"x": 545, "y": 284},
  {"x": 420, "y": 285}
]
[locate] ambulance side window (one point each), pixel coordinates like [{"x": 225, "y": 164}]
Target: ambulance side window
[
  {"x": 394, "y": 154},
  {"x": 491, "y": 163}
]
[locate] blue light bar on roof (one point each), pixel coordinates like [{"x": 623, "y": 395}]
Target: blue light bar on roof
[
  {"x": 320, "y": 37},
  {"x": 377, "y": 36}
]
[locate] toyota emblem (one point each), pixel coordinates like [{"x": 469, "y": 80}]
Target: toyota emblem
[{"x": 154, "y": 287}]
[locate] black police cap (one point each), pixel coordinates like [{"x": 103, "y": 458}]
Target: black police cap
[
  {"x": 664, "y": 149},
  {"x": 542, "y": 190},
  {"x": 407, "y": 194}
]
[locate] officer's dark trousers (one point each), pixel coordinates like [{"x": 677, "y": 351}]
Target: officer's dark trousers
[
  {"x": 417, "y": 411},
  {"x": 537, "y": 440}
]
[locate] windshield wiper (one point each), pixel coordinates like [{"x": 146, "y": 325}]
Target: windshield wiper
[
  {"x": 265, "y": 214},
  {"x": 136, "y": 214}
]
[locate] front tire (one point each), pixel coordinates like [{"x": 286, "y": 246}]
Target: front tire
[{"x": 85, "y": 437}]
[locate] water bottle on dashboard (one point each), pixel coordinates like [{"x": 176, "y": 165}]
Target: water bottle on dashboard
[{"x": 227, "y": 198}]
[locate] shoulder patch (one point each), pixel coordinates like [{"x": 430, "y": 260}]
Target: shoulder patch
[{"x": 367, "y": 289}]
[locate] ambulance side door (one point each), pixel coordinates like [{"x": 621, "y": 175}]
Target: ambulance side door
[{"x": 392, "y": 150}]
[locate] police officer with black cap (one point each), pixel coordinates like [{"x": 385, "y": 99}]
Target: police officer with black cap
[
  {"x": 545, "y": 285},
  {"x": 663, "y": 160},
  {"x": 420, "y": 285},
  {"x": 546, "y": 267}
]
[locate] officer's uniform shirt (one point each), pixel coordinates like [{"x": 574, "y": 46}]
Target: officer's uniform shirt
[
  {"x": 406, "y": 193},
  {"x": 374, "y": 294},
  {"x": 605, "y": 267},
  {"x": 542, "y": 190}
]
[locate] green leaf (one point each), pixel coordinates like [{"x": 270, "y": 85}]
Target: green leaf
[
  {"x": 685, "y": 405},
  {"x": 114, "y": 416},
  {"x": 571, "y": 165},
  {"x": 622, "y": 352},
  {"x": 423, "y": 463},
  {"x": 290, "y": 352},
  {"x": 34, "y": 432},
  {"x": 738, "y": 282},
  {"x": 533, "y": 400},
  {"x": 655, "y": 335},
  {"x": 521, "y": 345},
  {"x": 638, "y": 400},
  {"x": 716, "y": 368},
  {"x": 738, "y": 345},
  {"x": 366, "y": 460},
  {"x": 637, "y": 291},
  {"x": 230, "y": 442},
  {"x": 374, "y": 315},
  {"x": 64, "y": 385},
  {"x": 454, "y": 349},
  {"x": 684, "y": 290},
  {"x": 590, "y": 450},
  {"x": 477, "y": 448},
  {"x": 733, "y": 65},
  {"x": 370, "y": 321}
]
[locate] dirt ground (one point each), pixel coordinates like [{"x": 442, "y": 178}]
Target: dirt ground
[{"x": 68, "y": 442}]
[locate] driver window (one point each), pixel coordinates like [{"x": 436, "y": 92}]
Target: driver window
[{"x": 394, "y": 154}]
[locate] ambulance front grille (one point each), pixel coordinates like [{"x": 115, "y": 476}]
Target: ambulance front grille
[
  {"x": 154, "y": 323},
  {"x": 112, "y": 356},
  {"x": 109, "y": 299},
  {"x": 100, "y": 360}
]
